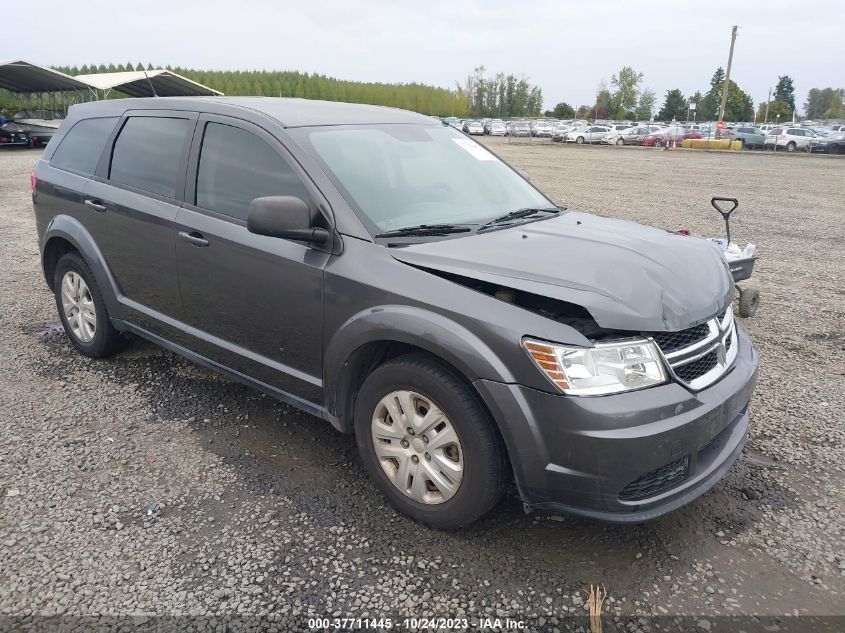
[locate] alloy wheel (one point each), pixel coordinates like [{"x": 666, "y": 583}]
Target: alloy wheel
[
  {"x": 78, "y": 306},
  {"x": 417, "y": 447}
]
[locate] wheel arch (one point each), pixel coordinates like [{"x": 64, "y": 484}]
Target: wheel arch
[
  {"x": 376, "y": 335},
  {"x": 65, "y": 234}
]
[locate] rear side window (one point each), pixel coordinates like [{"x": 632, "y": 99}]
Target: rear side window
[
  {"x": 236, "y": 166},
  {"x": 147, "y": 154},
  {"x": 81, "y": 147}
]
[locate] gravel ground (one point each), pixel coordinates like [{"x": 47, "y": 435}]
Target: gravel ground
[{"x": 144, "y": 485}]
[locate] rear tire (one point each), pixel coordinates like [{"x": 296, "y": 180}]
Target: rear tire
[
  {"x": 790, "y": 147},
  {"x": 82, "y": 310},
  {"x": 478, "y": 457},
  {"x": 833, "y": 149}
]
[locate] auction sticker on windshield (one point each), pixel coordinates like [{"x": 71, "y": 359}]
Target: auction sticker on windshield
[{"x": 475, "y": 149}]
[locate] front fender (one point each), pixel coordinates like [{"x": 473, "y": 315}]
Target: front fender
[
  {"x": 71, "y": 230},
  {"x": 432, "y": 332}
]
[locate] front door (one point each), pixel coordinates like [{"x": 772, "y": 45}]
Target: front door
[{"x": 253, "y": 303}]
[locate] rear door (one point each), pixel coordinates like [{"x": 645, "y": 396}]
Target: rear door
[
  {"x": 253, "y": 303},
  {"x": 136, "y": 194}
]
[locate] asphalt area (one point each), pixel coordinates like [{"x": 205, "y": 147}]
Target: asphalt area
[{"x": 145, "y": 485}]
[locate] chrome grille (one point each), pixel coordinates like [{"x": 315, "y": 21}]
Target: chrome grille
[
  {"x": 673, "y": 341},
  {"x": 700, "y": 355}
]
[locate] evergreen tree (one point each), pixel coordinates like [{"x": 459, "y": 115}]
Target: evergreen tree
[
  {"x": 785, "y": 91},
  {"x": 674, "y": 107}
]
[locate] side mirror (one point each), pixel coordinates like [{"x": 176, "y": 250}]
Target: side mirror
[{"x": 283, "y": 216}]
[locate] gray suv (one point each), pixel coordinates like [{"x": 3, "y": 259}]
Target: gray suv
[{"x": 395, "y": 278}]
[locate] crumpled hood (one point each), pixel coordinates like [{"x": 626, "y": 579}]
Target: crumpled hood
[{"x": 628, "y": 276}]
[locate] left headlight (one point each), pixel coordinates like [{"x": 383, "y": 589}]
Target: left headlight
[{"x": 600, "y": 370}]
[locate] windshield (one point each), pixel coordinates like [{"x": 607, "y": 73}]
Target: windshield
[{"x": 397, "y": 176}]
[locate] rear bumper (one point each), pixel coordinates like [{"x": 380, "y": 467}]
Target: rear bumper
[{"x": 628, "y": 457}]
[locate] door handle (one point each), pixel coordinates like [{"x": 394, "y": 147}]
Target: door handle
[
  {"x": 97, "y": 205},
  {"x": 193, "y": 237}
]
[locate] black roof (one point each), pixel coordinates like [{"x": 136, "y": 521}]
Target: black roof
[{"x": 287, "y": 111}]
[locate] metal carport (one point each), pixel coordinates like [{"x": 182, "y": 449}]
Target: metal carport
[
  {"x": 24, "y": 77},
  {"x": 27, "y": 79}
]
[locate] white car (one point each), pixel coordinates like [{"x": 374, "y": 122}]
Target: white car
[
  {"x": 615, "y": 130},
  {"x": 541, "y": 128},
  {"x": 497, "y": 128},
  {"x": 789, "y": 138},
  {"x": 475, "y": 127},
  {"x": 591, "y": 134}
]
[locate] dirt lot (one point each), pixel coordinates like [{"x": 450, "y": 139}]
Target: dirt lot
[{"x": 146, "y": 485}]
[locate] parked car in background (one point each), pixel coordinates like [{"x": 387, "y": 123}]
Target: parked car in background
[
  {"x": 833, "y": 143},
  {"x": 751, "y": 137},
  {"x": 520, "y": 128},
  {"x": 631, "y": 135},
  {"x": 453, "y": 121},
  {"x": 588, "y": 135},
  {"x": 789, "y": 138},
  {"x": 497, "y": 128},
  {"x": 14, "y": 135},
  {"x": 541, "y": 128},
  {"x": 474, "y": 127},
  {"x": 673, "y": 134},
  {"x": 837, "y": 128},
  {"x": 559, "y": 130}
]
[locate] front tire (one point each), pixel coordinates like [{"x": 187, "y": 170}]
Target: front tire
[
  {"x": 580, "y": 140},
  {"x": 82, "y": 310},
  {"x": 790, "y": 147},
  {"x": 619, "y": 141},
  {"x": 427, "y": 442}
]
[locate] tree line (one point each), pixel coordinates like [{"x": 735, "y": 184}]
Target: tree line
[
  {"x": 627, "y": 98},
  {"x": 410, "y": 96},
  {"x": 500, "y": 95}
]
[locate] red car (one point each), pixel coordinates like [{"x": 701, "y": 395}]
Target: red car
[{"x": 668, "y": 135}]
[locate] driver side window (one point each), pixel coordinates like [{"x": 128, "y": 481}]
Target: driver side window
[{"x": 236, "y": 166}]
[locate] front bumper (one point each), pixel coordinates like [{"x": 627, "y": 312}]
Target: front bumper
[{"x": 627, "y": 457}]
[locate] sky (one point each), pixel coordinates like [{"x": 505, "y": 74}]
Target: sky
[{"x": 567, "y": 48}]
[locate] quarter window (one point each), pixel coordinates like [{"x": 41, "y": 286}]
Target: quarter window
[
  {"x": 236, "y": 166},
  {"x": 81, "y": 147},
  {"x": 147, "y": 154}
]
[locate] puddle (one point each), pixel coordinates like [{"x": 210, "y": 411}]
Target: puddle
[{"x": 44, "y": 330}]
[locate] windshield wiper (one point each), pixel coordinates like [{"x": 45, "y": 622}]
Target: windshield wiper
[
  {"x": 516, "y": 215},
  {"x": 426, "y": 229}
]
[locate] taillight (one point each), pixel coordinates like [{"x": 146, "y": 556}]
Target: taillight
[{"x": 33, "y": 180}]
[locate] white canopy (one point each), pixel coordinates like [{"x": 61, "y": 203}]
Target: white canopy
[{"x": 148, "y": 83}]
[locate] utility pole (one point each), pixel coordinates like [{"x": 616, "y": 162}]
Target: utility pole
[{"x": 727, "y": 80}]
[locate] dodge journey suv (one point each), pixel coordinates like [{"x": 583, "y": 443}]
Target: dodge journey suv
[{"x": 390, "y": 275}]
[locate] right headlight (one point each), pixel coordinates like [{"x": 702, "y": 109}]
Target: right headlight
[{"x": 600, "y": 370}]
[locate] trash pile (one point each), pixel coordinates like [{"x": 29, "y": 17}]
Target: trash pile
[{"x": 731, "y": 251}]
